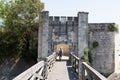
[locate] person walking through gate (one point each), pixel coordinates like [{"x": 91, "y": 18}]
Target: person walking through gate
[{"x": 60, "y": 53}]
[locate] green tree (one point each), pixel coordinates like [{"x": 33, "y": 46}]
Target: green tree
[{"x": 21, "y": 19}]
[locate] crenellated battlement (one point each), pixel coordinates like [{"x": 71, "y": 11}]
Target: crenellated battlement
[{"x": 63, "y": 20}]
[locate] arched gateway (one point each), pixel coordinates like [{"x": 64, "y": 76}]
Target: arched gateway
[{"x": 68, "y": 30}]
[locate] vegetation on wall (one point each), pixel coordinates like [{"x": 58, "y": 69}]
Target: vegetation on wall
[
  {"x": 83, "y": 58},
  {"x": 87, "y": 56},
  {"x": 113, "y": 27},
  {"x": 95, "y": 44},
  {"x": 20, "y": 22},
  {"x": 86, "y": 50}
]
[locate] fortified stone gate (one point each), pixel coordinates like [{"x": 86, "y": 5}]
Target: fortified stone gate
[{"x": 100, "y": 38}]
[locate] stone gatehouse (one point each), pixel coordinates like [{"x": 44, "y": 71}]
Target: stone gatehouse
[{"x": 101, "y": 38}]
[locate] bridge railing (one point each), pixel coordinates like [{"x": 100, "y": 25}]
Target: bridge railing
[
  {"x": 74, "y": 62},
  {"x": 38, "y": 71},
  {"x": 49, "y": 62},
  {"x": 91, "y": 73}
]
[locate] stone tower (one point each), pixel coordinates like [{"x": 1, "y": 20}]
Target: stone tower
[
  {"x": 82, "y": 32},
  {"x": 43, "y": 37}
]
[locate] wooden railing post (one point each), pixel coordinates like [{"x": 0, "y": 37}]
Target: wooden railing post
[
  {"x": 71, "y": 60},
  {"x": 83, "y": 72},
  {"x": 45, "y": 75},
  {"x": 75, "y": 64}
]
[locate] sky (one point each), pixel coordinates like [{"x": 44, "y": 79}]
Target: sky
[{"x": 100, "y": 11}]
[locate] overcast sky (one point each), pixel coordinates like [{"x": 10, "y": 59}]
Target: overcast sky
[{"x": 100, "y": 11}]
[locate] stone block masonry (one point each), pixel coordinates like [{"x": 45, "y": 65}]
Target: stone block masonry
[
  {"x": 104, "y": 54},
  {"x": 43, "y": 39},
  {"x": 75, "y": 31}
]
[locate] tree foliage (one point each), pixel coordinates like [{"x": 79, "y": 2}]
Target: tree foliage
[
  {"x": 113, "y": 27},
  {"x": 21, "y": 19},
  {"x": 95, "y": 44}
]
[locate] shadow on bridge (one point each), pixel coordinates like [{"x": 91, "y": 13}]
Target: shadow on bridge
[{"x": 72, "y": 74}]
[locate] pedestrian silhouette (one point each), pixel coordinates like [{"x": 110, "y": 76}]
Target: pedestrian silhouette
[{"x": 60, "y": 53}]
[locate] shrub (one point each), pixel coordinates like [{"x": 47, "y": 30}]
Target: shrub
[
  {"x": 95, "y": 44},
  {"x": 87, "y": 56},
  {"x": 83, "y": 58},
  {"x": 86, "y": 50},
  {"x": 90, "y": 57},
  {"x": 113, "y": 28}
]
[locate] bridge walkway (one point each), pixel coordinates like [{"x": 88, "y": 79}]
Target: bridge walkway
[
  {"x": 53, "y": 69},
  {"x": 62, "y": 70}
]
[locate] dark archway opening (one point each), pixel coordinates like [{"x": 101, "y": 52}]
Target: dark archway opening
[{"x": 65, "y": 48}]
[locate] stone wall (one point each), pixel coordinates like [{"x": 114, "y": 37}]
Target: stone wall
[
  {"x": 64, "y": 30},
  {"x": 79, "y": 34},
  {"x": 103, "y": 55}
]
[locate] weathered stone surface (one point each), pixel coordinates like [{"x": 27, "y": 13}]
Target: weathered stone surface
[
  {"x": 82, "y": 32},
  {"x": 79, "y": 34},
  {"x": 43, "y": 46},
  {"x": 104, "y": 54}
]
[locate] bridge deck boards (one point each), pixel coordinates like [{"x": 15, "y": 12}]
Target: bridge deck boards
[{"x": 62, "y": 71}]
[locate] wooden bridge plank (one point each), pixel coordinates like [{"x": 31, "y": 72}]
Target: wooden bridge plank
[{"x": 60, "y": 71}]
